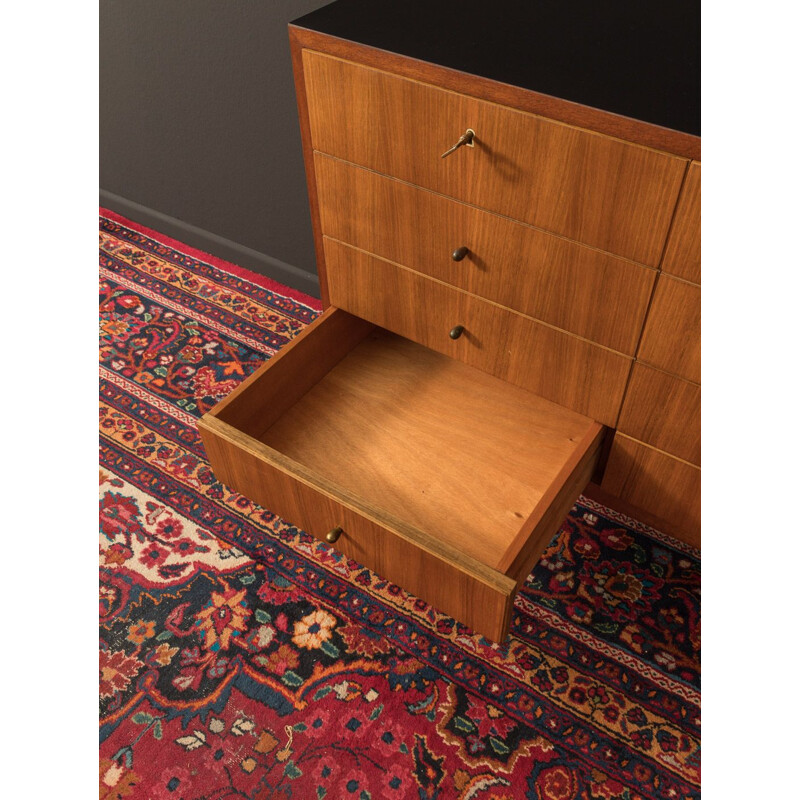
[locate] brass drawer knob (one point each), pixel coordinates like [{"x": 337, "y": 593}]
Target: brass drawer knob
[
  {"x": 333, "y": 534},
  {"x": 459, "y": 253},
  {"x": 465, "y": 139},
  {"x": 457, "y": 331}
]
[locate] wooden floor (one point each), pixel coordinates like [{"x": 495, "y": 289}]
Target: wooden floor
[{"x": 445, "y": 447}]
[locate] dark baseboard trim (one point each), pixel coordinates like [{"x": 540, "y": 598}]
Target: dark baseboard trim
[{"x": 218, "y": 246}]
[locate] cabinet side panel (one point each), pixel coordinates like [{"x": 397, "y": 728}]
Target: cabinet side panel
[{"x": 296, "y": 47}]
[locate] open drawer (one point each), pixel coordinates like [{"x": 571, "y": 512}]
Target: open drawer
[{"x": 439, "y": 477}]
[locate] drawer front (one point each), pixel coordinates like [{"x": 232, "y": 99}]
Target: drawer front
[
  {"x": 682, "y": 256},
  {"x": 557, "y": 366},
  {"x": 458, "y": 586},
  {"x": 663, "y": 411},
  {"x": 671, "y": 338},
  {"x": 595, "y": 189},
  {"x": 565, "y": 284},
  {"x": 655, "y": 482}
]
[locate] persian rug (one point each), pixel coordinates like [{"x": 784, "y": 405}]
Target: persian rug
[{"x": 240, "y": 657}]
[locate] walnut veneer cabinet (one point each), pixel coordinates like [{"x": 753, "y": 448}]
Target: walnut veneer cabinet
[{"x": 505, "y": 203}]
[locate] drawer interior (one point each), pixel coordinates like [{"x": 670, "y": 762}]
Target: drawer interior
[{"x": 448, "y": 449}]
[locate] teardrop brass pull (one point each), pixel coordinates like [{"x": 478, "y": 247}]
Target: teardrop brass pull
[
  {"x": 333, "y": 534},
  {"x": 464, "y": 139},
  {"x": 457, "y": 331},
  {"x": 459, "y": 253}
]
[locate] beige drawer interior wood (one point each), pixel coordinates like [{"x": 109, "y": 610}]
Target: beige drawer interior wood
[
  {"x": 682, "y": 256},
  {"x": 589, "y": 187},
  {"x": 445, "y": 479},
  {"x": 570, "y": 371},
  {"x": 569, "y": 285},
  {"x": 664, "y": 411}
]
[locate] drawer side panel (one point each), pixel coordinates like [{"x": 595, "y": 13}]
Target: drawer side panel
[{"x": 545, "y": 522}]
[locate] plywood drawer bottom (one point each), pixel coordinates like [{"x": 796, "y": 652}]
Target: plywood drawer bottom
[{"x": 443, "y": 479}]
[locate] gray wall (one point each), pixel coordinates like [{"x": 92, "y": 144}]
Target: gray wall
[{"x": 198, "y": 128}]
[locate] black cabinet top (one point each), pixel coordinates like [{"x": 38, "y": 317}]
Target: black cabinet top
[{"x": 635, "y": 58}]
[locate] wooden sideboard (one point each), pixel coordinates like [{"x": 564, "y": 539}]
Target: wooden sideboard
[{"x": 503, "y": 323}]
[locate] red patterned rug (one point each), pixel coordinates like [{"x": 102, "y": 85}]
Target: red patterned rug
[{"x": 239, "y": 657}]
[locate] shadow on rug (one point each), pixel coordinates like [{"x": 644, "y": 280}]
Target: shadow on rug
[{"x": 262, "y": 664}]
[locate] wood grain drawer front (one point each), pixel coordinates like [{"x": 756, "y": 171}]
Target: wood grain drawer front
[
  {"x": 571, "y": 286},
  {"x": 655, "y": 482},
  {"x": 595, "y": 189},
  {"x": 444, "y": 479},
  {"x": 671, "y": 338},
  {"x": 558, "y": 366},
  {"x": 682, "y": 256},
  {"x": 454, "y": 584},
  {"x": 663, "y": 411}
]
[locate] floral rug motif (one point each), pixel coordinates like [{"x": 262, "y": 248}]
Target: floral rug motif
[{"x": 240, "y": 657}]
